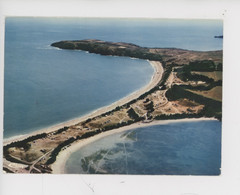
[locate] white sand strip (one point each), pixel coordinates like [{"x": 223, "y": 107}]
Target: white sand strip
[
  {"x": 158, "y": 71},
  {"x": 58, "y": 166}
]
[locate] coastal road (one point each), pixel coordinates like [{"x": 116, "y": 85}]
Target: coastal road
[{"x": 36, "y": 161}]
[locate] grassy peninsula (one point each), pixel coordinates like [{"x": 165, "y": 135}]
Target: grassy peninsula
[{"x": 186, "y": 84}]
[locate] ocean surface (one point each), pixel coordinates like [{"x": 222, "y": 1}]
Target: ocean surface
[
  {"x": 185, "y": 148},
  {"x": 44, "y": 86}
]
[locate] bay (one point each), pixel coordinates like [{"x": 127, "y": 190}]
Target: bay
[
  {"x": 44, "y": 86},
  {"x": 182, "y": 148}
]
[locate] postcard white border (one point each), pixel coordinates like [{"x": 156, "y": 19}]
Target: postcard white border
[{"x": 227, "y": 183}]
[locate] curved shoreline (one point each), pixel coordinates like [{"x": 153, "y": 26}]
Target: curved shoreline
[
  {"x": 157, "y": 75},
  {"x": 58, "y": 167}
]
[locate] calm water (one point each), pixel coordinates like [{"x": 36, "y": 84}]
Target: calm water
[
  {"x": 190, "y": 148},
  {"x": 45, "y": 86}
]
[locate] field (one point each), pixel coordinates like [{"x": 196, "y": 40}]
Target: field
[
  {"x": 214, "y": 93},
  {"x": 216, "y": 75}
]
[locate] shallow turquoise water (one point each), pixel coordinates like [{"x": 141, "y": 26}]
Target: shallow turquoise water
[{"x": 186, "y": 148}]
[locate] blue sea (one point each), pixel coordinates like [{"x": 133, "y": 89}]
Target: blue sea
[
  {"x": 44, "y": 86},
  {"x": 185, "y": 148}
]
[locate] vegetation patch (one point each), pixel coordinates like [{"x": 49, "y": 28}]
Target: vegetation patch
[
  {"x": 214, "y": 93},
  {"x": 212, "y": 108},
  {"x": 132, "y": 114},
  {"x": 215, "y": 75}
]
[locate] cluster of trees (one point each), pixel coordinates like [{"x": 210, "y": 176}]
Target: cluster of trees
[
  {"x": 177, "y": 116},
  {"x": 109, "y": 49},
  {"x": 203, "y": 66},
  {"x": 132, "y": 114},
  {"x": 12, "y": 159},
  {"x": 213, "y": 108},
  {"x": 21, "y": 144},
  {"x": 186, "y": 75},
  {"x": 89, "y": 134},
  {"x": 56, "y": 151},
  {"x": 219, "y": 67},
  {"x": 61, "y": 130},
  {"x": 87, "y": 121},
  {"x": 149, "y": 107},
  {"x": 167, "y": 72}
]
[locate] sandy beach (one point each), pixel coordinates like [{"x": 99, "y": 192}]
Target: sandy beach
[
  {"x": 58, "y": 166},
  {"x": 158, "y": 71}
]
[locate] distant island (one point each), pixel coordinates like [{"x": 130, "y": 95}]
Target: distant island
[
  {"x": 186, "y": 84},
  {"x": 220, "y": 37}
]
